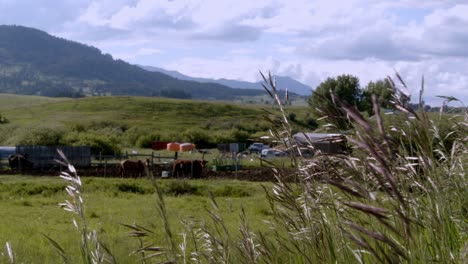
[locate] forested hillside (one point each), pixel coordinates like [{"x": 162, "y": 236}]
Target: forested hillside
[{"x": 33, "y": 62}]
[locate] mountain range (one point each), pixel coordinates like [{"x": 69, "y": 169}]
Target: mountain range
[
  {"x": 282, "y": 82},
  {"x": 35, "y": 63}
]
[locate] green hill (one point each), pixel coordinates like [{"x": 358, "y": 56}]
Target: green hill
[
  {"x": 127, "y": 121},
  {"x": 33, "y": 62}
]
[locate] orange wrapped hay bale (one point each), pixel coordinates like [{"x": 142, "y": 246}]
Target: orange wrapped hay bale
[
  {"x": 173, "y": 146},
  {"x": 186, "y": 147}
]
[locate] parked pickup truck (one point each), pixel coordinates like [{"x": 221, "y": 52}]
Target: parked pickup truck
[{"x": 257, "y": 147}]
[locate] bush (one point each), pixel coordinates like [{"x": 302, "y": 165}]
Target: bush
[
  {"x": 197, "y": 136},
  {"x": 239, "y": 135},
  {"x": 99, "y": 143},
  {"x": 44, "y": 136},
  {"x": 145, "y": 141},
  {"x": 3, "y": 119},
  {"x": 292, "y": 116},
  {"x": 311, "y": 123}
]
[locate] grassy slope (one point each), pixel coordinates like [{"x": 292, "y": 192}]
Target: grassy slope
[
  {"x": 158, "y": 115},
  {"x": 155, "y": 111}
]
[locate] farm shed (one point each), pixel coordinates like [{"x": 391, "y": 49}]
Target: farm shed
[
  {"x": 325, "y": 142},
  {"x": 45, "y": 156}
]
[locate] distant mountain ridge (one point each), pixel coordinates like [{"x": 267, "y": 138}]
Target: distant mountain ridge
[
  {"x": 282, "y": 82},
  {"x": 35, "y": 63}
]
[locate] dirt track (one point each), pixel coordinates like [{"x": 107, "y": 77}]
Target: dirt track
[{"x": 247, "y": 173}]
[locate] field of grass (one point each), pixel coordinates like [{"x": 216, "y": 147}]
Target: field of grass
[{"x": 30, "y": 210}]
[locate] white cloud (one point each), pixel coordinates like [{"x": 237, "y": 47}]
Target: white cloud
[
  {"x": 231, "y": 67},
  {"x": 138, "y": 53},
  {"x": 40, "y": 14},
  {"x": 152, "y": 14},
  {"x": 230, "y": 33}
]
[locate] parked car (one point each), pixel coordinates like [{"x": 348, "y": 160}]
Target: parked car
[
  {"x": 257, "y": 147},
  {"x": 269, "y": 153}
]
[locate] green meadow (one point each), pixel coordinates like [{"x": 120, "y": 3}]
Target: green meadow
[{"x": 30, "y": 210}]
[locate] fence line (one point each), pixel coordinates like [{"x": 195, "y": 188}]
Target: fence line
[
  {"x": 116, "y": 159},
  {"x": 44, "y": 157}
]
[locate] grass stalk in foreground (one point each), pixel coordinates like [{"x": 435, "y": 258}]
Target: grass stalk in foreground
[
  {"x": 396, "y": 197},
  {"x": 91, "y": 248},
  {"x": 9, "y": 254}
]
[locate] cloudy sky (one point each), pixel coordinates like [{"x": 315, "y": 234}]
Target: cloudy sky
[{"x": 308, "y": 40}]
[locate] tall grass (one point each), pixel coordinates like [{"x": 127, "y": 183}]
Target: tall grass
[
  {"x": 91, "y": 248},
  {"x": 396, "y": 197}
]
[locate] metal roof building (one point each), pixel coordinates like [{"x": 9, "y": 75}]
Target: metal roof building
[{"x": 330, "y": 143}]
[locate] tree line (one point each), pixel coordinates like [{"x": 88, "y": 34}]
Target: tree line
[{"x": 348, "y": 89}]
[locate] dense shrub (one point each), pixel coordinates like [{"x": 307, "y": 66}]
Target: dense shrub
[
  {"x": 312, "y": 123},
  {"x": 239, "y": 135},
  {"x": 99, "y": 143},
  {"x": 7, "y": 133},
  {"x": 3, "y": 119},
  {"x": 145, "y": 141},
  {"x": 45, "y": 136},
  {"x": 198, "y": 136},
  {"x": 292, "y": 116},
  {"x": 132, "y": 134}
]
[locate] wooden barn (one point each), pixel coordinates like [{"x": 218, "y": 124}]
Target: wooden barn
[{"x": 45, "y": 156}]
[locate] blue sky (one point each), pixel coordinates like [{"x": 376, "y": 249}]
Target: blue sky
[{"x": 308, "y": 40}]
